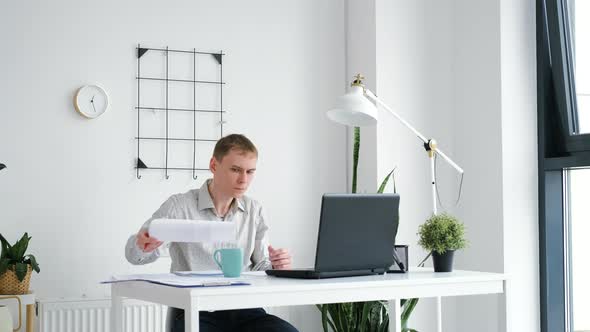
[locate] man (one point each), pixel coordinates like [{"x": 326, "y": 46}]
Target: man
[{"x": 221, "y": 199}]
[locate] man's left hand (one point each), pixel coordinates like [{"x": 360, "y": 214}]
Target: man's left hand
[{"x": 279, "y": 258}]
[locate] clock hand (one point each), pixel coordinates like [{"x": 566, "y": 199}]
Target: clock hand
[{"x": 93, "y": 106}]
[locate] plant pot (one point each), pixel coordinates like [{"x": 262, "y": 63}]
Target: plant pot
[
  {"x": 9, "y": 283},
  {"x": 443, "y": 262}
]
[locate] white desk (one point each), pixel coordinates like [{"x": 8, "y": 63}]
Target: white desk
[{"x": 270, "y": 291}]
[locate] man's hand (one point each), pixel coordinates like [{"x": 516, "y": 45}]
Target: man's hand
[
  {"x": 279, "y": 258},
  {"x": 147, "y": 243}
]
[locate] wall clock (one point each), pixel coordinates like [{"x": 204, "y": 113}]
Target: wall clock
[{"x": 91, "y": 101}]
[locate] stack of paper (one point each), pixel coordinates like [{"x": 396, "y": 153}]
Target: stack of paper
[
  {"x": 183, "y": 230},
  {"x": 170, "y": 279}
]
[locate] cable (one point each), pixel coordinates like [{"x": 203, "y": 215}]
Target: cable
[
  {"x": 425, "y": 259},
  {"x": 436, "y": 186}
]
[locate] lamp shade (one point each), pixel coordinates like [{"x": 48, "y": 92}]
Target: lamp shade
[{"x": 354, "y": 109}]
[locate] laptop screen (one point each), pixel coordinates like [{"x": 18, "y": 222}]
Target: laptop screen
[{"x": 357, "y": 232}]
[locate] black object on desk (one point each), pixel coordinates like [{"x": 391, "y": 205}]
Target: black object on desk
[
  {"x": 355, "y": 237},
  {"x": 400, "y": 254}
]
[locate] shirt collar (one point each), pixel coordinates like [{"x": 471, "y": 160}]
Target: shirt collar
[{"x": 206, "y": 202}]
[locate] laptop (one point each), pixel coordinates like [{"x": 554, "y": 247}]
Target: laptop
[{"x": 356, "y": 237}]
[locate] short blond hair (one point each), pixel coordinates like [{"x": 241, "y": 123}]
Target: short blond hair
[{"x": 233, "y": 142}]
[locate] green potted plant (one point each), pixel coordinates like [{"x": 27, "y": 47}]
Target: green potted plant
[
  {"x": 364, "y": 316},
  {"x": 16, "y": 266},
  {"x": 442, "y": 234}
]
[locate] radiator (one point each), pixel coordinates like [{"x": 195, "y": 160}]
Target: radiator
[{"x": 93, "y": 315}]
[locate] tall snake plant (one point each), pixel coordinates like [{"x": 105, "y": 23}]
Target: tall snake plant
[{"x": 370, "y": 316}]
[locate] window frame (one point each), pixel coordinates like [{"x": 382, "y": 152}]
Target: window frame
[{"x": 559, "y": 149}]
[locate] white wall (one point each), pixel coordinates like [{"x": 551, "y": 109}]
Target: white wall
[
  {"x": 460, "y": 71},
  {"x": 463, "y": 72},
  {"x": 413, "y": 73},
  {"x": 478, "y": 142},
  {"x": 70, "y": 182},
  {"x": 360, "y": 59},
  {"x": 519, "y": 162},
  {"x": 495, "y": 98}
]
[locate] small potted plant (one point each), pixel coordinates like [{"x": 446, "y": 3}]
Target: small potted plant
[
  {"x": 16, "y": 266},
  {"x": 442, "y": 234}
]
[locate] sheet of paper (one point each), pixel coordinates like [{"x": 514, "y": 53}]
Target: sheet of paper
[
  {"x": 254, "y": 273},
  {"x": 184, "y": 230},
  {"x": 205, "y": 273},
  {"x": 216, "y": 273},
  {"x": 171, "y": 279}
]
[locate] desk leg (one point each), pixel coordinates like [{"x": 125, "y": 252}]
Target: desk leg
[
  {"x": 505, "y": 308},
  {"x": 30, "y": 316},
  {"x": 438, "y": 314},
  {"x": 395, "y": 316},
  {"x": 191, "y": 317},
  {"x": 116, "y": 311}
]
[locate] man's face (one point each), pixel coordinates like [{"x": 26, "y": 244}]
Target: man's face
[{"x": 233, "y": 174}]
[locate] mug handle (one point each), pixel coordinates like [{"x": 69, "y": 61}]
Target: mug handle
[
  {"x": 20, "y": 320},
  {"x": 218, "y": 251}
]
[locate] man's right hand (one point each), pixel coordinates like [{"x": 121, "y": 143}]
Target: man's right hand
[{"x": 147, "y": 243}]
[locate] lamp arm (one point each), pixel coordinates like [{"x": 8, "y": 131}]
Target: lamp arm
[
  {"x": 451, "y": 162},
  {"x": 372, "y": 96},
  {"x": 369, "y": 94}
]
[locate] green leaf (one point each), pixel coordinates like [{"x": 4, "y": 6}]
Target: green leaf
[
  {"x": 348, "y": 316},
  {"x": 17, "y": 251},
  {"x": 21, "y": 270},
  {"x": 366, "y": 307},
  {"x": 442, "y": 232},
  {"x": 11, "y": 254},
  {"x": 384, "y": 182},
  {"x": 22, "y": 246},
  {"x": 385, "y": 324},
  {"x": 355, "y": 156},
  {"x": 407, "y": 310},
  {"x": 3, "y": 265},
  {"x": 356, "y": 310},
  {"x": 5, "y": 246},
  {"x": 326, "y": 317},
  {"x": 332, "y": 326},
  {"x": 382, "y": 188},
  {"x": 345, "y": 313},
  {"x": 324, "y": 310},
  {"x": 374, "y": 316},
  {"x": 30, "y": 259},
  {"x": 334, "y": 311}
]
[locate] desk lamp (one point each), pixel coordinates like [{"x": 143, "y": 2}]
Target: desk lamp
[{"x": 355, "y": 109}]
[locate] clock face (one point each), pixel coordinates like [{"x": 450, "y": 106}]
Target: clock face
[{"x": 91, "y": 101}]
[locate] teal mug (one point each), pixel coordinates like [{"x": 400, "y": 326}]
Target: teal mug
[{"x": 229, "y": 261}]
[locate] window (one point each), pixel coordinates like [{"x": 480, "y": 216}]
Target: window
[
  {"x": 579, "y": 12},
  {"x": 578, "y": 232},
  {"x": 563, "y": 100}
]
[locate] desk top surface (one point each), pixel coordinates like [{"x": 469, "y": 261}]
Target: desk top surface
[
  {"x": 416, "y": 277},
  {"x": 272, "y": 291}
]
